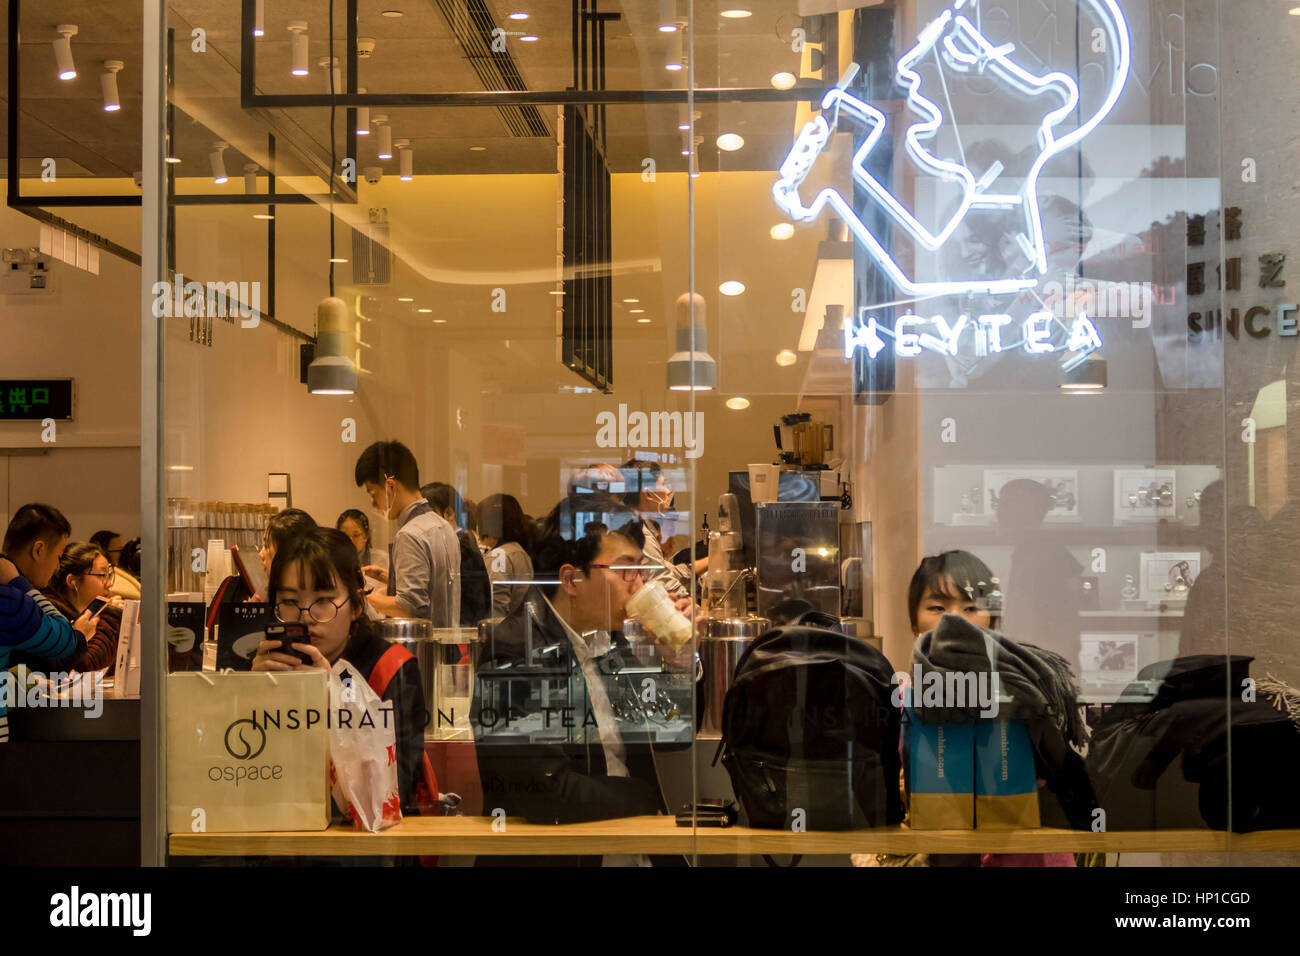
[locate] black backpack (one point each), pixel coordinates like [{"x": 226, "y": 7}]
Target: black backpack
[{"x": 808, "y": 725}]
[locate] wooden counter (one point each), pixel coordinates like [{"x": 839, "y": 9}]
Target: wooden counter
[{"x": 474, "y": 836}]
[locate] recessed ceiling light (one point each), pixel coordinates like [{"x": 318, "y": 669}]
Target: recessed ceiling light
[
  {"x": 519, "y": 16},
  {"x": 405, "y": 299},
  {"x": 636, "y": 311},
  {"x": 531, "y": 38},
  {"x": 782, "y": 230},
  {"x": 263, "y": 215},
  {"x": 644, "y": 321},
  {"x": 730, "y": 142},
  {"x": 631, "y": 301},
  {"x": 784, "y": 81},
  {"x": 736, "y": 14},
  {"x": 731, "y": 287},
  {"x": 786, "y": 357},
  {"x": 737, "y": 403},
  {"x": 439, "y": 321},
  {"x": 675, "y": 67},
  {"x": 390, "y": 13},
  {"x": 338, "y": 260},
  {"x": 1294, "y": 11},
  {"x": 556, "y": 292},
  {"x": 477, "y": 149},
  {"x": 173, "y": 159},
  {"x": 424, "y": 310}
]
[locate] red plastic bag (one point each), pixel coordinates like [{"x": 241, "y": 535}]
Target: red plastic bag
[{"x": 363, "y": 752}]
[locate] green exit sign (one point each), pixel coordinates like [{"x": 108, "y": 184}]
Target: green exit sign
[{"x": 35, "y": 399}]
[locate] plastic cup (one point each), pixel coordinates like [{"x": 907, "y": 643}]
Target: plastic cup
[{"x": 654, "y": 609}]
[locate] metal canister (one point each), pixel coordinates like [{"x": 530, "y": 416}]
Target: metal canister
[
  {"x": 722, "y": 644},
  {"x": 446, "y": 657}
]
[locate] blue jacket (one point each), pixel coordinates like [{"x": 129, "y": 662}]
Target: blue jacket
[{"x": 30, "y": 623}]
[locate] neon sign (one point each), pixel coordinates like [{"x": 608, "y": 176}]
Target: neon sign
[
  {"x": 912, "y": 333},
  {"x": 959, "y": 46}
]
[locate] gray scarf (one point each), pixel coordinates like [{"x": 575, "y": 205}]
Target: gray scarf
[{"x": 1039, "y": 682}]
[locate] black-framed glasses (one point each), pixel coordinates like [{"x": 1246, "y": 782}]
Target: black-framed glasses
[
  {"x": 108, "y": 576},
  {"x": 321, "y": 610},
  {"x": 629, "y": 572}
]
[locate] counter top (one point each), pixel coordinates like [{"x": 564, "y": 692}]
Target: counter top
[{"x": 660, "y": 835}]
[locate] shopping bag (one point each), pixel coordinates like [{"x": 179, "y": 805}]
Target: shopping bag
[
  {"x": 247, "y": 751},
  {"x": 362, "y": 752}
]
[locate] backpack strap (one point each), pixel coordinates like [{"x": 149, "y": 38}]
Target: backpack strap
[{"x": 386, "y": 668}]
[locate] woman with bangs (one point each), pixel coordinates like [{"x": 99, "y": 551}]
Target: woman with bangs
[{"x": 316, "y": 580}]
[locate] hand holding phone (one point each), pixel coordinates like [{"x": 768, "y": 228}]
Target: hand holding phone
[{"x": 288, "y": 635}]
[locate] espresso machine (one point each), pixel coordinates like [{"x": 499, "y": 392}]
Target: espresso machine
[{"x": 725, "y": 583}]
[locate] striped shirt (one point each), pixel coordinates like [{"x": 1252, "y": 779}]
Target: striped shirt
[{"x": 30, "y": 623}]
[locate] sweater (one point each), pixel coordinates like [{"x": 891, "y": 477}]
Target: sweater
[
  {"x": 100, "y": 651},
  {"x": 29, "y": 623}
]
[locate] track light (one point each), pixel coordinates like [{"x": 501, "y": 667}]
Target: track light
[
  {"x": 668, "y": 16},
  {"x": 108, "y": 84},
  {"x": 259, "y": 15},
  {"x": 332, "y": 64},
  {"x": 406, "y": 159},
  {"x": 63, "y": 51},
  {"x": 218, "y": 162},
  {"x": 299, "y": 30},
  {"x": 363, "y": 117},
  {"x": 250, "y": 178},
  {"x": 385, "y": 136},
  {"x": 676, "y": 60}
]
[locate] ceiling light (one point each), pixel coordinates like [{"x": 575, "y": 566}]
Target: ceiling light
[
  {"x": 1087, "y": 376},
  {"x": 530, "y": 38},
  {"x": 439, "y": 321},
  {"x": 736, "y": 14},
  {"x": 675, "y": 52},
  {"x": 390, "y": 13},
  {"x": 668, "y": 16},
  {"x": 108, "y": 85},
  {"x": 731, "y": 287},
  {"x": 784, "y": 81},
  {"x": 730, "y": 142},
  {"x": 217, "y": 162},
  {"x": 684, "y": 118},
  {"x": 406, "y": 160},
  {"x": 630, "y": 301},
  {"x": 636, "y": 311},
  {"x": 173, "y": 159},
  {"x": 737, "y": 403},
  {"x": 259, "y": 16},
  {"x": 785, "y": 358},
  {"x": 263, "y": 215},
  {"x": 336, "y": 259},
  {"x": 782, "y": 230},
  {"x": 556, "y": 292},
  {"x": 250, "y": 179},
  {"x": 385, "y": 136},
  {"x": 331, "y": 372},
  {"x": 335, "y": 74},
  {"x": 477, "y": 149},
  {"x": 691, "y": 368},
  {"x": 299, "y": 46},
  {"x": 363, "y": 117},
  {"x": 519, "y": 16},
  {"x": 1294, "y": 11},
  {"x": 63, "y": 51},
  {"x": 405, "y": 298},
  {"x": 644, "y": 321},
  {"x": 424, "y": 310}
]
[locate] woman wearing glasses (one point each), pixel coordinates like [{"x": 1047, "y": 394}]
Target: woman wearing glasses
[
  {"x": 85, "y": 575},
  {"x": 316, "y": 580}
]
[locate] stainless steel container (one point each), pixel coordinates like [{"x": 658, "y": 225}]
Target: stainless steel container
[
  {"x": 721, "y": 646},
  {"x": 446, "y": 657}
]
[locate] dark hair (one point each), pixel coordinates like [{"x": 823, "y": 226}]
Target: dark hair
[
  {"x": 500, "y": 517},
  {"x": 442, "y": 497},
  {"x": 557, "y": 544},
  {"x": 638, "y": 476},
  {"x": 359, "y": 516},
  {"x": 387, "y": 459},
  {"x": 78, "y": 558},
  {"x": 129, "y": 559},
  {"x": 471, "y": 515},
  {"x": 287, "y": 525},
  {"x": 326, "y": 558},
  {"x": 970, "y": 575},
  {"x": 104, "y": 539},
  {"x": 35, "y": 522}
]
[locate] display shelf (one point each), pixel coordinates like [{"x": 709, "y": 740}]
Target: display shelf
[{"x": 660, "y": 835}]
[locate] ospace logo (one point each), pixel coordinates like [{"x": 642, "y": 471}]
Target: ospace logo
[{"x": 954, "y": 47}]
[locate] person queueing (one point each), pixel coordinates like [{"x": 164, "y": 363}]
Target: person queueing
[
  {"x": 29, "y": 623},
  {"x": 423, "y": 574},
  {"x": 505, "y": 532},
  {"x": 354, "y": 523},
  {"x": 85, "y": 575},
  {"x": 475, "y": 587}
]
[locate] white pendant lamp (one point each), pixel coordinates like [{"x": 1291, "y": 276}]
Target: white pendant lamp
[
  {"x": 332, "y": 371},
  {"x": 691, "y": 367}
]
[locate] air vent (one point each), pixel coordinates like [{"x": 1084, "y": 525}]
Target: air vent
[
  {"x": 372, "y": 263},
  {"x": 472, "y": 25}
]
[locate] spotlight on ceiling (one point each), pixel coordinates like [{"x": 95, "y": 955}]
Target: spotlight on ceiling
[
  {"x": 250, "y": 179},
  {"x": 363, "y": 117},
  {"x": 784, "y": 81},
  {"x": 218, "y": 162},
  {"x": 676, "y": 57},
  {"x": 730, "y": 142},
  {"x": 108, "y": 84},
  {"x": 385, "y": 135},
  {"x": 731, "y": 287},
  {"x": 259, "y": 16},
  {"x": 667, "y": 16},
  {"x": 782, "y": 230},
  {"x": 335, "y": 74},
  {"x": 299, "y": 45},
  {"x": 737, "y": 404},
  {"x": 406, "y": 160},
  {"x": 786, "y": 358},
  {"x": 63, "y": 51}
]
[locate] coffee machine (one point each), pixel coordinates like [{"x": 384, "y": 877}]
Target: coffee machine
[{"x": 726, "y": 580}]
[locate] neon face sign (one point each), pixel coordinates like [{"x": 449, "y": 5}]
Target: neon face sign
[{"x": 958, "y": 45}]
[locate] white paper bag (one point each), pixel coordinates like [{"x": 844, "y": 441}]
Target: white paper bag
[
  {"x": 363, "y": 752},
  {"x": 247, "y": 751}
]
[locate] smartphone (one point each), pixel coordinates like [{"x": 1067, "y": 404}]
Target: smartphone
[
  {"x": 288, "y": 635},
  {"x": 96, "y": 606}
]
